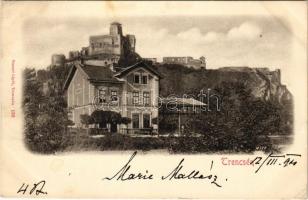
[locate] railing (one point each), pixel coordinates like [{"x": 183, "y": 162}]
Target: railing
[
  {"x": 139, "y": 131},
  {"x": 97, "y": 131}
]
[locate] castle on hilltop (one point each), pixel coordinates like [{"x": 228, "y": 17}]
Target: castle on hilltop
[
  {"x": 112, "y": 44},
  {"x": 107, "y": 48}
]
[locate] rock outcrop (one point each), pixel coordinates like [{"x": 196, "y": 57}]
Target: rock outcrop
[{"x": 262, "y": 82}]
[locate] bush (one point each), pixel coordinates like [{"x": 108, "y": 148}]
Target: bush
[
  {"x": 125, "y": 120},
  {"x": 86, "y": 120},
  {"x": 155, "y": 120},
  {"x": 46, "y": 135},
  {"x": 220, "y": 142}
]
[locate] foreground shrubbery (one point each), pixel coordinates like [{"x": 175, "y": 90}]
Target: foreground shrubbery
[
  {"x": 113, "y": 142},
  {"x": 184, "y": 144},
  {"x": 218, "y": 144}
]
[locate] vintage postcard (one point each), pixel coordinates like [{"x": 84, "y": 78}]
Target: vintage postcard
[{"x": 153, "y": 99}]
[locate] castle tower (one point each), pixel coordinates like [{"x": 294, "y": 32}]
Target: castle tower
[
  {"x": 202, "y": 58},
  {"x": 116, "y": 29},
  {"x": 203, "y": 62},
  {"x": 132, "y": 42},
  {"x": 57, "y": 59}
]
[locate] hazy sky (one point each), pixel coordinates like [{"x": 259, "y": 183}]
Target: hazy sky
[{"x": 223, "y": 40}]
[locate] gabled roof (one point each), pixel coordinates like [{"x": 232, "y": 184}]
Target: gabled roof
[
  {"x": 104, "y": 74},
  {"x": 69, "y": 77},
  {"x": 93, "y": 73},
  {"x": 99, "y": 73},
  {"x": 135, "y": 66}
]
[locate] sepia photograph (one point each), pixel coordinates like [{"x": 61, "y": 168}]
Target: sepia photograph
[
  {"x": 163, "y": 99},
  {"x": 115, "y": 92}
]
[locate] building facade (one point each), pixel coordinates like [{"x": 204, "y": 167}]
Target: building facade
[
  {"x": 132, "y": 92},
  {"x": 153, "y": 60},
  {"x": 187, "y": 61}
]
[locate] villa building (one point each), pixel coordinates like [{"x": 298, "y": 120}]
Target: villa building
[{"x": 131, "y": 92}]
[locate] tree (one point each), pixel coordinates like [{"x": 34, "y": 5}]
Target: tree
[
  {"x": 32, "y": 99},
  {"x": 104, "y": 117},
  {"x": 46, "y": 118},
  {"x": 128, "y": 57},
  {"x": 155, "y": 121},
  {"x": 86, "y": 120},
  {"x": 125, "y": 120}
]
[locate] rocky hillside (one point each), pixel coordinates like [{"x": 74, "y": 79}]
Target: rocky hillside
[{"x": 262, "y": 82}]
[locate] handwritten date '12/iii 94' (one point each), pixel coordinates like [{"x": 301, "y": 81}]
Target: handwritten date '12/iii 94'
[{"x": 275, "y": 160}]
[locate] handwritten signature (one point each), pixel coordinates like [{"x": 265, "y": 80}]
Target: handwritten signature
[
  {"x": 36, "y": 188},
  {"x": 177, "y": 173}
]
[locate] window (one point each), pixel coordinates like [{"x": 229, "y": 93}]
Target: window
[
  {"x": 78, "y": 89},
  {"x": 144, "y": 79},
  {"x": 114, "y": 95},
  {"x": 146, "y": 121},
  {"x": 135, "y": 120},
  {"x": 146, "y": 98},
  {"x": 102, "y": 92},
  {"x": 136, "y": 97},
  {"x": 102, "y": 96},
  {"x": 136, "y": 78},
  {"x": 96, "y": 45}
]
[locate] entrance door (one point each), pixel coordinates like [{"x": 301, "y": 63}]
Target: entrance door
[
  {"x": 146, "y": 120},
  {"x": 113, "y": 128},
  {"x": 135, "y": 120},
  {"x": 103, "y": 125}
]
